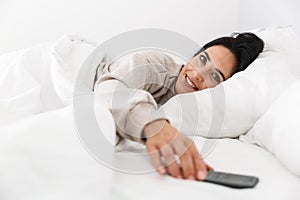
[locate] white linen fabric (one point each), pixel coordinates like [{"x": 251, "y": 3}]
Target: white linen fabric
[
  {"x": 232, "y": 108},
  {"x": 22, "y": 75},
  {"x": 278, "y": 129},
  {"x": 43, "y": 158},
  {"x": 68, "y": 56},
  {"x": 40, "y": 78},
  {"x": 41, "y": 154},
  {"x": 228, "y": 155}
]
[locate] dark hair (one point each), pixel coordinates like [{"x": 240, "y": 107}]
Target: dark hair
[{"x": 244, "y": 46}]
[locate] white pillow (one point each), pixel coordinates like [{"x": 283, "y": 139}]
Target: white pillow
[
  {"x": 232, "y": 108},
  {"x": 278, "y": 129}
]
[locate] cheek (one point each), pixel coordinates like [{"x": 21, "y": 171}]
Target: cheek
[
  {"x": 189, "y": 66},
  {"x": 204, "y": 86},
  {"x": 186, "y": 68},
  {"x": 182, "y": 72}
]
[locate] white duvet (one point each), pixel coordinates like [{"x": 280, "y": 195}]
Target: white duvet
[
  {"x": 40, "y": 78},
  {"x": 41, "y": 156}
]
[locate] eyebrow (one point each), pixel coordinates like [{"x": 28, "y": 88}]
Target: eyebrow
[
  {"x": 221, "y": 74},
  {"x": 206, "y": 54}
]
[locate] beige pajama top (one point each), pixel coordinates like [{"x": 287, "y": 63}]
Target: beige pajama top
[{"x": 134, "y": 86}]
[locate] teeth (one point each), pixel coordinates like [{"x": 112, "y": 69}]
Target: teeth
[{"x": 190, "y": 82}]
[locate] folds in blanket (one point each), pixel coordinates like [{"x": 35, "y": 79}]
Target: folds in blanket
[{"x": 40, "y": 78}]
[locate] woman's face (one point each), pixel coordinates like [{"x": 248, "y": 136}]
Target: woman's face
[{"x": 207, "y": 69}]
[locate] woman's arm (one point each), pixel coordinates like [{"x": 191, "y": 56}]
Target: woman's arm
[
  {"x": 164, "y": 141},
  {"x": 134, "y": 110},
  {"x": 131, "y": 108}
]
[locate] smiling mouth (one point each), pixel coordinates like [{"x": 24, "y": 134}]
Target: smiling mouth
[{"x": 189, "y": 82}]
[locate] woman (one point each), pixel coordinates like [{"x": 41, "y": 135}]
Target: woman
[{"x": 136, "y": 84}]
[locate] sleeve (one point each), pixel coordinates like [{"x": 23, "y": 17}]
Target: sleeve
[{"x": 131, "y": 105}]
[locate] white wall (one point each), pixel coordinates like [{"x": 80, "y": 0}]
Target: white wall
[
  {"x": 28, "y": 22},
  {"x": 25, "y": 23},
  {"x": 263, "y": 13}
]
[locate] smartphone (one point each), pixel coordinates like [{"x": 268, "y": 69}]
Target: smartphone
[{"x": 231, "y": 180}]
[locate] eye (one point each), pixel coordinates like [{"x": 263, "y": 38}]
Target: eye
[
  {"x": 216, "y": 77},
  {"x": 203, "y": 59}
]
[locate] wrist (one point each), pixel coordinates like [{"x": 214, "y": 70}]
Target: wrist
[{"x": 153, "y": 128}]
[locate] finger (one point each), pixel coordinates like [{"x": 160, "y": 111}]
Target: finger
[
  {"x": 174, "y": 170},
  {"x": 179, "y": 148},
  {"x": 200, "y": 165},
  {"x": 155, "y": 159},
  {"x": 187, "y": 165},
  {"x": 170, "y": 161}
]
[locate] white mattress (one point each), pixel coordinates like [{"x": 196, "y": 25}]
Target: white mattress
[{"x": 229, "y": 155}]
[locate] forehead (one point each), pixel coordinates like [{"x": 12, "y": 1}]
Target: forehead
[{"x": 222, "y": 58}]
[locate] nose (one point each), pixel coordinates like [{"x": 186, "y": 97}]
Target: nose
[
  {"x": 197, "y": 74},
  {"x": 196, "y": 71},
  {"x": 198, "y": 79}
]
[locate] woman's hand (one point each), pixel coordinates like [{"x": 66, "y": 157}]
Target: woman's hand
[{"x": 163, "y": 140}]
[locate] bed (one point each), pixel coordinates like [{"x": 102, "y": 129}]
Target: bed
[{"x": 44, "y": 157}]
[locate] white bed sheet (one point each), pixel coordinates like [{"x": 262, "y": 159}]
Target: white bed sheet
[
  {"x": 229, "y": 155},
  {"x": 42, "y": 158}
]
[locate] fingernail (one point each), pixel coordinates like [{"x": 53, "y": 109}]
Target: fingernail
[
  {"x": 191, "y": 178},
  {"x": 180, "y": 177},
  {"x": 201, "y": 175}
]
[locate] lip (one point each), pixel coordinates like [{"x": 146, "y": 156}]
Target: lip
[{"x": 187, "y": 84}]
